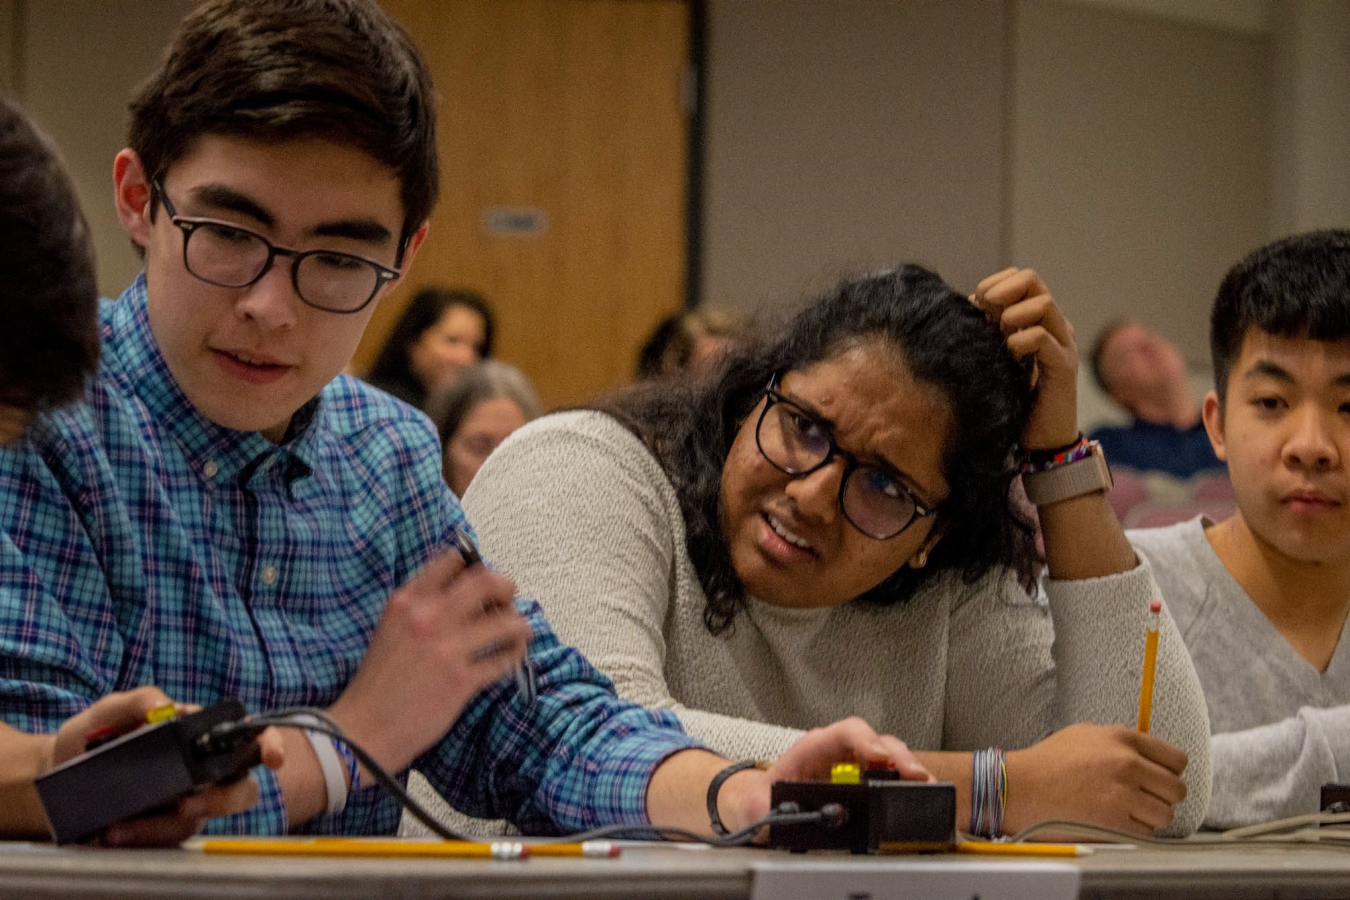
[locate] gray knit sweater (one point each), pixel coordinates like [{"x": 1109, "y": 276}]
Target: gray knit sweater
[
  {"x": 1281, "y": 728},
  {"x": 576, "y": 509}
]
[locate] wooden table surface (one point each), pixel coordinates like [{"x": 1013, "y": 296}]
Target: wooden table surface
[{"x": 37, "y": 871}]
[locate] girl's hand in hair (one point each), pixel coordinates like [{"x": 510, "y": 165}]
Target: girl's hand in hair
[{"x": 1038, "y": 334}]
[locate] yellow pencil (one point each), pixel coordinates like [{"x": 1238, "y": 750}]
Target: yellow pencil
[
  {"x": 995, "y": 848},
  {"x": 1150, "y": 663},
  {"x": 338, "y": 846},
  {"x": 589, "y": 849}
]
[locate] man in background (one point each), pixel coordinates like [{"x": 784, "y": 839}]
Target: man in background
[{"x": 1145, "y": 374}]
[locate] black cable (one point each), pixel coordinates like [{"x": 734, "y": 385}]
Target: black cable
[
  {"x": 735, "y": 839},
  {"x": 786, "y": 814},
  {"x": 830, "y": 815},
  {"x": 285, "y": 718},
  {"x": 1266, "y": 834}
]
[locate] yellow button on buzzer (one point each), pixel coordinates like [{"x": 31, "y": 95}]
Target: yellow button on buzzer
[
  {"x": 845, "y": 773},
  {"x": 161, "y": 713}
]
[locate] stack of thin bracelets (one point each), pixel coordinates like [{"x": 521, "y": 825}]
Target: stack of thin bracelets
[{"x": 988, "y": 792}]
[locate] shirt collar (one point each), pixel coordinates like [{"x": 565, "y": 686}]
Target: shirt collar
[{"x": 215, "y": 452}]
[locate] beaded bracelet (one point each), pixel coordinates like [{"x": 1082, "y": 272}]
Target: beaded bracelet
[
  {"x": 1072, "y": 453},
  {"x": 988, "y": 791}
]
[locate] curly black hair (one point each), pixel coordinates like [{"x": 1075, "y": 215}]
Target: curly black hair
[{"x": 945, "y": 341}]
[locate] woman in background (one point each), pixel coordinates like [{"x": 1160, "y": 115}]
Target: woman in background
[
  {"x": 689, "y": 343},
  {"x": 442, "y": 332},
  {"x": 483, "y": 405}
]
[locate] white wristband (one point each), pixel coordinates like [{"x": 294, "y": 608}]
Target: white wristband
[{"x": 334, "y": 770}]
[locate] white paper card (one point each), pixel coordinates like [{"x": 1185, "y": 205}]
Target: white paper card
[{"x": 859, "y": 879}]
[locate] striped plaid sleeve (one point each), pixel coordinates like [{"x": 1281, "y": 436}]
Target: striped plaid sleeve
[
  {"x": 579, "y": 758},
  {"x": 50, "y": 665}
]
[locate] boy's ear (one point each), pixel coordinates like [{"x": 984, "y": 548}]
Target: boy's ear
[
  {"x": 1213, "y": 416},
  {"x": 414, "y": 244},
  {"x": 132, "y": 194}
]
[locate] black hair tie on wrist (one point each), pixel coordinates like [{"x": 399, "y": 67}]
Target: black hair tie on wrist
[{"x": 715, "y": 786}]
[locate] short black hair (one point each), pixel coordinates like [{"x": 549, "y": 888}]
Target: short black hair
[
  {"x": 944, "y": 340},
  {"x": 49, "y": 339},
  {"x": 276, "y": 70},
  {"x": 1295, "y": 287}
]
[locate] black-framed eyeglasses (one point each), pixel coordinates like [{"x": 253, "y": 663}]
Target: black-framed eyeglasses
[
  {"x": 873, "y": 499},
  {"x": 227, "y": 255}
]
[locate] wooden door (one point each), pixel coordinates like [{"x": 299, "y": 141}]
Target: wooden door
[{"x": 563, "y": 152}]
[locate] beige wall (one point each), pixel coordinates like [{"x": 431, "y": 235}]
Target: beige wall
[
  {"x": 1129, "y": 148},
  {"x": 11, "y": 45},
  {"x": 1124, "y": 153},
  {"x": 1312, "y": 124},
  {"x": 847, "y": 135},
  {"x": 1141, "y": 162},
  {"x": 81, "y": 60}
]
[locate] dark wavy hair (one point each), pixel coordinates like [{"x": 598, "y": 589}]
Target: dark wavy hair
[{"x": 943, "y": 339}]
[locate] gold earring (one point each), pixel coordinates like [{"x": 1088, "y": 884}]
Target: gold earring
[{"x": 920, "y": 559}]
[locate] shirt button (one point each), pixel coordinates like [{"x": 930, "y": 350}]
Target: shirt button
[
  {"x": 269, "y": 574},
  {"x": 210, "y": 469}
]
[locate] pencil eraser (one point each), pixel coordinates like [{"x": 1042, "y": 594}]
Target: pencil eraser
[{"x": 1155, "y": 606}]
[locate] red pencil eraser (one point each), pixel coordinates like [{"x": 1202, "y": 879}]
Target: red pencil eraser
[{"x": 1155, "y": 606}]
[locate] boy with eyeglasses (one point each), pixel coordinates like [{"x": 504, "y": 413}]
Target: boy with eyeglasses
[
  {"x": 1262, "y": 598},
  {"x": 228, "y": 517}
]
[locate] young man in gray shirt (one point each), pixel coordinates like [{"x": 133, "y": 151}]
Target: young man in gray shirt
[{"x": 1261, "y": 599}]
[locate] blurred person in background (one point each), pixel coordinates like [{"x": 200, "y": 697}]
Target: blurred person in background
[
  {"x": 688, "y": 342},
  {"x": 442, "y": 332},
  {"x": 48, "y": 298},
  {"x": 479, "y": 409},
  {"x": 1145, "y": 375}
]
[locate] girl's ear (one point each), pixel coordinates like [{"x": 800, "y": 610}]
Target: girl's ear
[{"x": 920, "y": 557}]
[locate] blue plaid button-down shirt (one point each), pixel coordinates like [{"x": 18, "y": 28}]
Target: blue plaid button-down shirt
[{"x": 143, "y": 544}]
